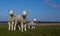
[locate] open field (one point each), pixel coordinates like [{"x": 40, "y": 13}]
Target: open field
[{"x": 42, "y": 29}]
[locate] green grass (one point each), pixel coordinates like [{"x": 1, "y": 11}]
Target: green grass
[{"x": 39, "y": 31}]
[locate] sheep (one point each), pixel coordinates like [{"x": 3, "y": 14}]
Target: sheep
[
  {"x": 22, "y": 20},
  {"x": 11, "y": 19},
  {"x": 32, "y": 24}
]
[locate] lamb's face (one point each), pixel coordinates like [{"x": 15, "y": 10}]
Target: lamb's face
[
  {"x": 24, "y": 12},
  {"x": 11, "y": 12},
  {"x": 34, "y": 19}
]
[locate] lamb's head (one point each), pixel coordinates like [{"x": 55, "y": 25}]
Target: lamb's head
[
  {"x": 34, "y": 19},
  {"x": 11, "y": 12},
  {"x": 24, "y": 13}
]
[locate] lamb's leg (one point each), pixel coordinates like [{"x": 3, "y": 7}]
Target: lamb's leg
[
  {"x": 22, "y": 27},
  {"x": 12, "y": 25},
  {"x": 29, "y": 25},
  {"x": 32, "y": 26},
  {"x": 19, "y": 26},
  {"x": 15, "y": 25},
  {"x": 25, "y": 27},
  {"x": 9, "y": 26}
]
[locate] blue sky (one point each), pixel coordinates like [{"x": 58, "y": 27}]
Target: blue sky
[{"x": 43, "y": 10}]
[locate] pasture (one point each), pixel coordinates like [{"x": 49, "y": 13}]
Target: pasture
[{"x": 42, "y": 29}]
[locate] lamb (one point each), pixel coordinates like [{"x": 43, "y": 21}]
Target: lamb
[
  {"x": 32, "y": 24},
  {"x": 11, "y": 19},
  {"x": 22, "y": 20}
]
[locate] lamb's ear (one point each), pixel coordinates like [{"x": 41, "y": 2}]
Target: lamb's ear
[
  {"x": 8, "y": 10},
  {"x": 13, "y": 10},
  {"x": 28, "y": 10}
]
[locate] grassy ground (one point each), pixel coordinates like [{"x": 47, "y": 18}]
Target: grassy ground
[{"x": 39, "y": 31}]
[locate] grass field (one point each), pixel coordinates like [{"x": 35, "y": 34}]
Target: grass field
[{"x": 41, "y": 30}]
